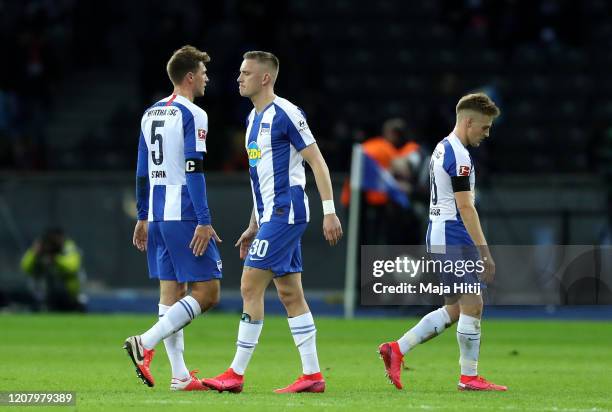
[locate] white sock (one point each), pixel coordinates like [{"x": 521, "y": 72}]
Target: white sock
[
  {"x": 175, "y": 346},
  {"x": 430, "y": 326},
  {"x": 304, "y": 335},
  {"x": 468, "y": 336},
  {"x": 248, "y": 336},
  {"x": 179, "y": 315}
]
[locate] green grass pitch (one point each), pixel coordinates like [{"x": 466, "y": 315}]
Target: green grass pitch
[{"x": 548, "y": 366}]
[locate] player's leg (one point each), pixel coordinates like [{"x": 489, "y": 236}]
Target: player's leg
[
  {"x": 170, "y": 293},
  {"x": 176, "y": 262},
  {"x": 202, "y": 272},
  {"x": 468, "y": 338},
  {"x": 430, "y": 326},
  {"x": 302, "y": 327},
  {"x": 253, "y": 286},
  {"x": 160, "y": 267}
]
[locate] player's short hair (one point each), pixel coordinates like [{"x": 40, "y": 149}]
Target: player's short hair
[
  {"x": 264, "y": 58},
  {"x": 185, "y": 60},
  {"x": 479, "y": 103}
]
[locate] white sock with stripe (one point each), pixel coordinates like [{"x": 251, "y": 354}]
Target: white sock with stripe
[
  {"x": 248, "y": 336},
  {"x": 304, "y": 335},
  {"x": 175, "y": 346},
  {"x": 179, "y": 315},
  {"x": 430, "y": 326},
  {"x": 468, "y": 337}
]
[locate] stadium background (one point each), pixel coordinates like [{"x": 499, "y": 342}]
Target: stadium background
[{"x": 76, "y": 76}]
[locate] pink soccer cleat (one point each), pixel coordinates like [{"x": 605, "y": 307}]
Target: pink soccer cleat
[
  {"x": 192, "y": 383},
  {"x": 306, "y": 383},
  {"x": 478, "y": 383},
  {"x": 141, "y": 357},
  {"x": 392, "y": 356},
  {"x": 228, "y": 381}
]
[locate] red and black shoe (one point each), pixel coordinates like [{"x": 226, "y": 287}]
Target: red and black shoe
[{"x": 141, "y": 357}]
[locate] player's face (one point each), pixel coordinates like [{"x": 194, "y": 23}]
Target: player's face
[
  {"x": 250, "y": 78},
  {"x": 478, "y": 129},
  {"x": 200, "y": 79}
]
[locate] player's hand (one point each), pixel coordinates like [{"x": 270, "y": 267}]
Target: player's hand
[
  {"x": 488, "y": 274},
  {"x": 140, "y": 235},
  {"x": 245, "y": 241},
  {"x": 201, "y": 236},
  {"x": 332, "y": 229}
]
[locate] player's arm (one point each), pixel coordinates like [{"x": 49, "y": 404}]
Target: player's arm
[
  {"x": 246, "y": 238},
  {"x": 195, "y": 147},
  {"x": 139, "y": 238},
  {"x": 471, "y": 221},
  {"x": 332, "y": 229},
  {"x": 196, "y": 186}
]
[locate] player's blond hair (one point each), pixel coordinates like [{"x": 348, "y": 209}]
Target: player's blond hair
[
  {"x": 266, "y": 58},
  {"x": 479, "y": 103},
  {"x": 183, "y": 61}
]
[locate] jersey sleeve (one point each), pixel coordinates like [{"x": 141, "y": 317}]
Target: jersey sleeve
[
  {"x": 142, "y": 179},
  {"x": 298, "y": 131},
  {"x": 457, "y": 162},
  {"x": 196, "y": 130}
]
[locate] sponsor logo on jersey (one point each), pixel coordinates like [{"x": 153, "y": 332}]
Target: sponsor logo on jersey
[
  {"x": 464, "y": 170},
  {"x": 219, "y": 265},
  {"x": 264, "y": 129},
  {"x": 302, "y": 125},
  {"x": 254, "y": 153},
  {"x": 201, "y": 134}
]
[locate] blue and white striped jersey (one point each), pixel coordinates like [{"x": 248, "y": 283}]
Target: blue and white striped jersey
[
  {"x": 450, "y": 159},
  {"x": 274, "y": 139},
  {"x": 171, "y": 128}
]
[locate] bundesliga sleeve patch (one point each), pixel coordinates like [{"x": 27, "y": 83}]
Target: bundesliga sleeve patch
[
  {"x": 201, "y": 134},
  {"x": 464, "y": 170}
]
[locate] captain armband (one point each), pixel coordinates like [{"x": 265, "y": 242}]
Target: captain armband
[{"x": 194, "y": 166}]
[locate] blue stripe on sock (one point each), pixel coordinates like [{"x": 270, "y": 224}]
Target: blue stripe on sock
[
  {"x": 187, "y": 308},
  {"x": 244, "y": 346},
  {"x": 253, "y": 322},
  {"x": 304, "y": 331},
  {"x": 302, "y": 327},
  {"x": 193, "y": 315}
]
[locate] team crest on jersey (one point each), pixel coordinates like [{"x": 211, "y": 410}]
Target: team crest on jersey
[
  {"x": 254, "y": 154},
  {"x": 464, "y": 170},
  {"x": 264, "y": 129},
  {"x": 201, "y": 134}
]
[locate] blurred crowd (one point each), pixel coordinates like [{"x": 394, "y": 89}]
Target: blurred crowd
[{"x": 51, "y": 44}]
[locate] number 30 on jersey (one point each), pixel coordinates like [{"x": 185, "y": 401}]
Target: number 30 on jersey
[{"x": 259, "y": 247}]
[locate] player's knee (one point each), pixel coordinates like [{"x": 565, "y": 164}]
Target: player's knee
[
  {"x": 206, "y": 300},
  {"x": 290, "y": 297},
  {"x": 181, "y": 292},
  {"x": 453, "y": 312},
  {"x": 250, "y": 292},
  {"x": 474, "y": 311}
]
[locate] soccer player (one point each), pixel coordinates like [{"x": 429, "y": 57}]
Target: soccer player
[
  {"x": 454, "y": 229},
  {"x": 278, "y": 140},
  {"x": 174, "y": 223}
]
